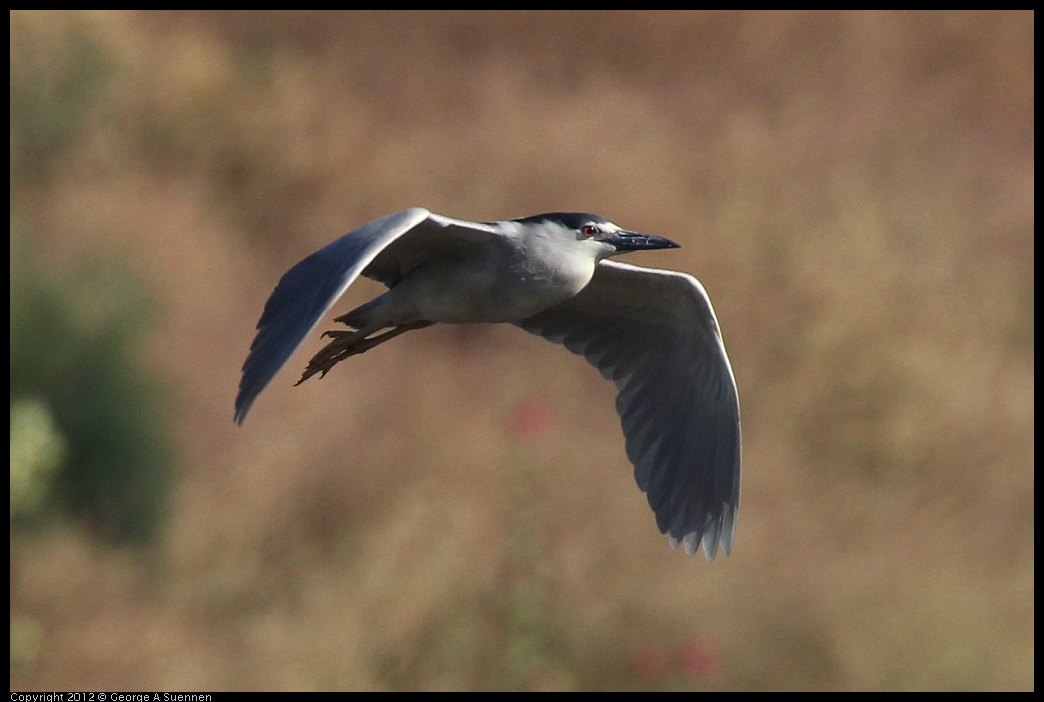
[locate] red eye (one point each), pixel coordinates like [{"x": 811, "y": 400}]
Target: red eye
[{"x": 589, "y": 230}]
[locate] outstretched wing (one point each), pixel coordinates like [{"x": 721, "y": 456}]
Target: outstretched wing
[
  {"x": 654, "y": 334},
  {"x": 385, "y": 249}
]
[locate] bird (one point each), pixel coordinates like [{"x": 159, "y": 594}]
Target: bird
[{"x": 650, "y": 331}]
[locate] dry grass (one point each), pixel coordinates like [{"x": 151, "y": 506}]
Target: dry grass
[{"x": 856, "y": 192}]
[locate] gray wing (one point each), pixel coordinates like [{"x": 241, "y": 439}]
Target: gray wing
[
  {"x": 385, "y": 250},
  {"x": 654, "y": 334}
]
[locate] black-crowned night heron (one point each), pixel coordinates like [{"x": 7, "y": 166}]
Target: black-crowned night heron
[{"x": 652, "y": 332}]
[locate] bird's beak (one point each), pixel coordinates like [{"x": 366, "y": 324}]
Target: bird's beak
[{"x": 624, "y": 240}]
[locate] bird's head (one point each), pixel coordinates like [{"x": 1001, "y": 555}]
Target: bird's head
[{"x": 599, "y": 234}]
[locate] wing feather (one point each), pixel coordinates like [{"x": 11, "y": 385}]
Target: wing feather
[
  {"x": 655, "y": 335},
  {"x": 385, "y": 250}
]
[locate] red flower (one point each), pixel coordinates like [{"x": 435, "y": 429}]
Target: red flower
[
  {"x": 530, "y": 420},
  {"x": 699, "y": 660}
]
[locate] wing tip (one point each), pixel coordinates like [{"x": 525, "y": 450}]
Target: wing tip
[
  {"x": 711, "y": 537},
  {"x": 243, "y": 404}
]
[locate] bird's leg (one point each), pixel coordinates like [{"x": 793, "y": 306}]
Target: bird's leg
[{"x": 351, "y": 343}]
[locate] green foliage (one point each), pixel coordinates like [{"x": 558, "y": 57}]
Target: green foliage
[
  {"x": 37, "y": 450},
  {"x": 78, "y": 360}
]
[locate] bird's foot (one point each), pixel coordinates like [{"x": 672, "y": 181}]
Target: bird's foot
[
  {"x": 350, "y": 343},
  {"x": 344, "y": 345}
]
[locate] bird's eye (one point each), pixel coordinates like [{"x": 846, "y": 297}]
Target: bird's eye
[{"x": 589, "y": 230}]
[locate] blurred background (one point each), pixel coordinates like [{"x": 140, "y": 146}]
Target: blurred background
[{"x": 456, "y": 510}]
